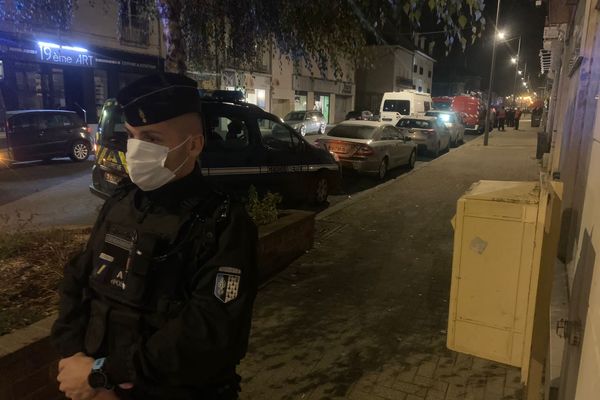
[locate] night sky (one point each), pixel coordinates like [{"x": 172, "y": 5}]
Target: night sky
[{"x": 517, "y": 17}]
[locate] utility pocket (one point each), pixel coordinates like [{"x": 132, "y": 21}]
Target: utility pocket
[{"x": 96, "y": 329}]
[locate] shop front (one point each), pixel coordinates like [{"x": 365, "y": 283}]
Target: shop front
[
  {"x": 256, "y": 87},
  {"x": 333, "y": 98},
  {"x": 47, "y": 75}
]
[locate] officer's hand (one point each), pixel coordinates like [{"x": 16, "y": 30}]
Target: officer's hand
[{"x": 73, "y": 377}]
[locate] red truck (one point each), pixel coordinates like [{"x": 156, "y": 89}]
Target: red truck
[{"x": 470, "y": 108}]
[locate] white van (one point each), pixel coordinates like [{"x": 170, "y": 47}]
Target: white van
[{"x": 395, "y": 105}]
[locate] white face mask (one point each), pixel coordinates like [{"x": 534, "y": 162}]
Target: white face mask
[{"x": 146, "y": 163}]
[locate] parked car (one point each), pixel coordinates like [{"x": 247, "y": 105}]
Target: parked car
[
  {"x": 244, "y": 146},
  {"x": 360, "y": 115},
  {"x": 46, "y": 134},
  {"x": 395, "y": 105},
  {"x": 428, "y": 133},
  {"x": 306, "y": 122},
  {"x": 453, "y": 122},
  {"x": 370, "y": 147}
]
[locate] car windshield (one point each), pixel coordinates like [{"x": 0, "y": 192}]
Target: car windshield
[
  {"x": 111, "y": 127},
  {"x": 295, "y": 116},
  {"x": 441, "y": 105},
  {"x": 401, "y": 106},
  {"x": 414, "y": 123},
  {"x": 353, "y": 131}
]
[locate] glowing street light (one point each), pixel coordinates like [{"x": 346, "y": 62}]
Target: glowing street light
[
  {"x": 525, "y": 84},
  {"x": 513, "y": 60},
  {"x": 520, "y": 72},
  {"x": 501, "y": 35}
]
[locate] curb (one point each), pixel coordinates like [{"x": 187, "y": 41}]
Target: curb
[{"x": 347, "y": 203}]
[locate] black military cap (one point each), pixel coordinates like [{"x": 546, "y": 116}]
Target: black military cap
[{"x": 158, "y": 97}]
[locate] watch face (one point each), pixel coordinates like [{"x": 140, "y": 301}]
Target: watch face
[{"x": 97, "y": 380}]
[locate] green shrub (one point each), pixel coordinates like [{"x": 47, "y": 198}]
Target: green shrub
[{"x": 263, "y": 211}]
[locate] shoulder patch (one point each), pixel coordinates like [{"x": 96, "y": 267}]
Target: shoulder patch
[{"x": 227, "y": 286}]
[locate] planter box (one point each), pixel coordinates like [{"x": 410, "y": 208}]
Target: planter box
[
  {"x": 284, "y": 240},
  {"x": 28, "y": 362}
]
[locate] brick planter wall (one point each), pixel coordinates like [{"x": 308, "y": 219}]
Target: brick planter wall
[{"x": 28, "y": 362}]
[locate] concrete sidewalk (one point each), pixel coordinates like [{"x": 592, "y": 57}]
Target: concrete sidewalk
[{"x": 363, "y": 315}]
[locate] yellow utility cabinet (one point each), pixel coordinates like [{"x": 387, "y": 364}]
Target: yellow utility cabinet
[{"x": 494, "y": 277}]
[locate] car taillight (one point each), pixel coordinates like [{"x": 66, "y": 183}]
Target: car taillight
[
  {"x": 430, "y": 131},
  {"x": 88, "y": 129},
  {"x": 364, "y": 151}
]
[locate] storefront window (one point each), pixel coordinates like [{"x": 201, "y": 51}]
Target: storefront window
[
  {"x": 57, "y": 96},
  {"x": 300, "y": 102},
  {"x": 322, "y": 104},
  {"x": 261, "y": 98},
  {"x": 100, "y": 89},
  {"x": 29, "y": 86}
]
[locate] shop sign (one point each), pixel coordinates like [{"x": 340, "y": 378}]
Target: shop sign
[{"x": 65, "y": 55}]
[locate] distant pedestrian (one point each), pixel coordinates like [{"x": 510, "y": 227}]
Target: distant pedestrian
[
  {"x": 510, "y": 117},
  {"x": 501, "y": 118},
  {"x": 517, "y": 118}
]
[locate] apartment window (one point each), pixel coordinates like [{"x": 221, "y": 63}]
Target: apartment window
[
  {"x": 429, "y": 74},
  {"x": 415, "y": 68},
  {"x": 420, "y": 89},
  {"x": 420, "y": 70},
  {"x": 135, "y": 27},
  {"x": 428, "y": 90}
]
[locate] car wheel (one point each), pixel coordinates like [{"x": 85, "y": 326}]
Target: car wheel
[
  {"x": 435, "y": 153},
  {"x": 322, "y": 129},
  {"x": 303, "y": 130},
  {"x": 452, "y": 143},
  {"x": 383, "y": 169},
  {"x": 80, "y": 151},
  {"x": 320, "y": 190},
  {"x": 412, "y": 159}
]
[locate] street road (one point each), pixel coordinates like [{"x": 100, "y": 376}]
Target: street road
[{"x": 57, "y": 192}]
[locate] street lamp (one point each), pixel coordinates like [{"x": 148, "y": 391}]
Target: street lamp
[
  {"x": 520, "y": 72},
  {"x": 501, "y": 35},
  {"x": 486, "y": 131},
  {"x": 513, "y": 60}
]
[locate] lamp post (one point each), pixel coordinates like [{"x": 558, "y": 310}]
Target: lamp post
[
  {"x": 486, "y": 132},
  {"x": 516, "y": 71}
]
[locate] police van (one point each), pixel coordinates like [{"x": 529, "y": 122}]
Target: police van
[
  {"x": 244, "y": 145},
  {"x": 405, "y": 103}
]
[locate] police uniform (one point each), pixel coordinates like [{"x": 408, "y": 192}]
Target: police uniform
[{"x": 163, "y": 291}]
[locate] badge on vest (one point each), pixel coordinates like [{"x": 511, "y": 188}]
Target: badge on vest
[{"x": 227, "y": 284}]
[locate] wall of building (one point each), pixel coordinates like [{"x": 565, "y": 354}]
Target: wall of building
[
  {"x": 296, "y": 87},
  {"x": 575, "y": 155}
]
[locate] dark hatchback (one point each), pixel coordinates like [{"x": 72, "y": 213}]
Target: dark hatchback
[
  {"x": 46, "y": 134},
  {"x": 244, "y": 146}
]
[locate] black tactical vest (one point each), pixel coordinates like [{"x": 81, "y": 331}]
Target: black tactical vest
[{"x": 144, "y": 266}]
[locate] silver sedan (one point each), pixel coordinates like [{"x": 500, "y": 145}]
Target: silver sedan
[{"x": 370, "y": 147}]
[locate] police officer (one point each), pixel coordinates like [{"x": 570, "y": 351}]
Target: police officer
[{"x": 158, "y": 305}]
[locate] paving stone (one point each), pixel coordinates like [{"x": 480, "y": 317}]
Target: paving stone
[
  {"x": 427, "y": 369},
  {"x": 435, "y": 395},
  {"x": 389, "y": 393}
]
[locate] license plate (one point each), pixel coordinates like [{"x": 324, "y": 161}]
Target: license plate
[
  {"x": 338, "y": 148},
  {"x": 111, "y": 178}
]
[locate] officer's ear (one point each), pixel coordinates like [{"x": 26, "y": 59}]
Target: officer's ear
[{"x": 197, "y": 145}]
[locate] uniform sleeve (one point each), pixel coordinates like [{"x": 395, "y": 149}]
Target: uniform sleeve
[
  {"x": 69, "y": 329},
  {"x": 211, "y": 332}
]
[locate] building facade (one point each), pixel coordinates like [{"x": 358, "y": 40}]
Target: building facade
[
  {"x": 572, "y": 126},
  {"x": 392, "y": 69},
  {"x": 77, "y": 67},
  {"x": 295, "y": 87}
]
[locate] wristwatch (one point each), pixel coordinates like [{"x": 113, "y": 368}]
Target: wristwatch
[{"x": 97, "y": 378}]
